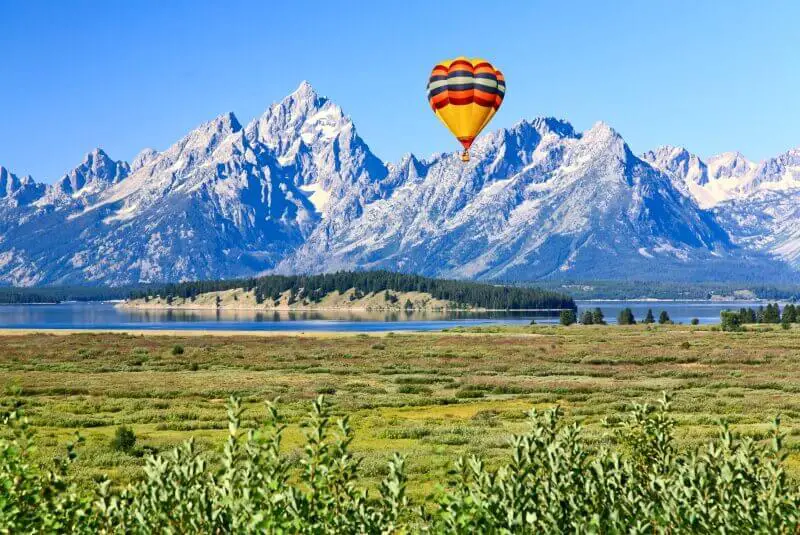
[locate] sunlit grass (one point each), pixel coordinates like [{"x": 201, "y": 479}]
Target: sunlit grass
[{"x": 430, "y": 396}]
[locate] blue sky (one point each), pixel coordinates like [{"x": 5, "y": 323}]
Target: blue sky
[{"x": 712, "y": 75}]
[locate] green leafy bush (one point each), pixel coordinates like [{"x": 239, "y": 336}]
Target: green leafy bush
[
  {"x": 730, "y": 321},
  {"x": 177, "y": 349},
  {"x": 124, "y": 439},
  {"x": 553, "y": 482}
]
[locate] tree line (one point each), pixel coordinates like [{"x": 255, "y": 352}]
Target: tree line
[
  {"x": 625, "y": 317},
  {"x": 11, "y": 295},
  {"x": 638, "y": 289},
  {"x": 315, "y": 287},
  {"x": 734, "y": 320}
]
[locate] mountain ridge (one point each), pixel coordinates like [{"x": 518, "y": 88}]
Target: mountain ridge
[{"x": 297, "y": 190}]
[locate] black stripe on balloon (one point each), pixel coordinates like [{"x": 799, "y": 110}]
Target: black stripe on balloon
[
  {"x": 467, "y": 87},
  {"x": 434, "y": 92},
  {"x": 437, "y": 78},
  {"x": 456, "y": 74}
]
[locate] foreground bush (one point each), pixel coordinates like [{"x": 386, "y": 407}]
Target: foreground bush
[{"x": 553, "y": 483}]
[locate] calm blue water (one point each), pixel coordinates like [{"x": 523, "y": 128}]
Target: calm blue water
[{"x": 107, "y": 316}]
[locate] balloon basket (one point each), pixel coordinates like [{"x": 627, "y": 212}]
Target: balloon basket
[{"x": 465, "y": 156}]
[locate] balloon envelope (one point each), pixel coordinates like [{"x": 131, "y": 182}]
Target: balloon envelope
[{"x": 465, "y": 94}]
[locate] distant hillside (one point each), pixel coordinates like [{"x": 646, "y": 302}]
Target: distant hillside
[
  {"x": 10, "y": 295},
  {"x": 338, "y": 289},
  {"x": 640, "y": 289}
]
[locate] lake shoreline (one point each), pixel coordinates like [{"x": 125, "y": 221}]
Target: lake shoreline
[{"x": 205, "y": 332}]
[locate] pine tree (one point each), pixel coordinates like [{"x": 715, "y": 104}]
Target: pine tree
[
  {"x": 790, "y": 313},
  {"x": 567, "y": 317},
  {"x": 649, "y": 318},
  {"x": 626, "y": 317},
  {"x": 772, "y": 314},
  {"x": 663, "y": 318},
  {"x": 597, "y": 317},
  {"x": 587, "y": 318}
]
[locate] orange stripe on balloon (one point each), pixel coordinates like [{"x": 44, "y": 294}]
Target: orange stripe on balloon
[{"x": 461, "y": 65}]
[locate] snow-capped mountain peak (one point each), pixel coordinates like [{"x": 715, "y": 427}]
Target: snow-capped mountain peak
[
  {"x": 727, "y": 176},
  {"x": 729, "y": 165},
  {"x": 301, "y": 116},
  {"x": 298, "y": 190}
]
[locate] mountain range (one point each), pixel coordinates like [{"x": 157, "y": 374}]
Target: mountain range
[{"x": 297, "y": 190}]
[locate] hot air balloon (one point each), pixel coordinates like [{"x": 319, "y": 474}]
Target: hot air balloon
[{"x": 465, "y": 94}]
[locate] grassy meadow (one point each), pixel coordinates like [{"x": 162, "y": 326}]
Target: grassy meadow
[{"x": 431, "y": 397}]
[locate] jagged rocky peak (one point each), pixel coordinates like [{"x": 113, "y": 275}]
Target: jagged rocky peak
[
  {"x": 20, "y": 190},
  {"x": 781, "y": 172},
  {"x": 202, "y": 141},
  {"x": 729, "y": 165},
  {"x": 9, "y": 183},
  {"x": 601, "y": 133},
  {"x": 680, "y": 164},
  {"x": 601, "y": 144},
  {"x": 96, "y": 170},
  {"x": 302, "y": 115},
  {"x": 143, "y": 158}
]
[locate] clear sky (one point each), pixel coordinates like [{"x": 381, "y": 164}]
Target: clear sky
[{"x": 709, "y": 75}]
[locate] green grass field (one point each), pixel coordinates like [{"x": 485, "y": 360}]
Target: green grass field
[{"x": 431, "y": 397}]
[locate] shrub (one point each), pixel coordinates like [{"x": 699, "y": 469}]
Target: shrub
[
  {"x": 730, "y": 321},
  {"x": 554, "y": 481},
  {"x": 695, "y": 321},
  {"x": 124, "y": 439},
  {"x": 177, "y": 349},
  {"x": 413, "y": 389},
  {"x": 567, "y": 317},
  {"x": 469, "y": 394}
]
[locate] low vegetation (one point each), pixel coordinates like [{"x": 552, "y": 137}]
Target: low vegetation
[
  {"x": 552, "y": 481},
  {"x": 432, "y": 398}
]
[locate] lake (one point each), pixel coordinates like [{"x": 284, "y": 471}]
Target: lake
[{"x": 107, "y": 316}]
